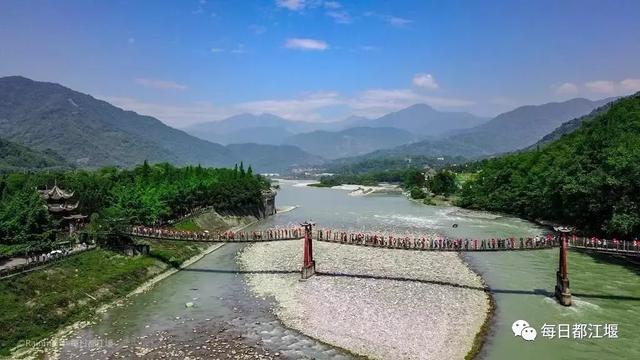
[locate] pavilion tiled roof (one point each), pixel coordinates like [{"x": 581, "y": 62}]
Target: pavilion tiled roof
[{"x": 55, "y": 193}]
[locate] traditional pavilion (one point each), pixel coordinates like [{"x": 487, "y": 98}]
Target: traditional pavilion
[{"x": 59, "y": 204}]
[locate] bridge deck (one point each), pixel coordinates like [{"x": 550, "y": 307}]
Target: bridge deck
[{"x": 396, "y": 242}]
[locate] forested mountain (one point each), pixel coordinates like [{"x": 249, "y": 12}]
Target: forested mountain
[
  {"x": 350, "y": 142},
  {"x": 90, "y": 132},
  {"x": 17, "y": 157},
  {"x": 421, "y": 119},
  {"x": 259, "y": 135},
  {"x": 249, "y": 128},
  {"x": 510, "y": 131},
  {"x": 270, "y": 158},
  {"x": 589, "y": 178},
  {"x": 522, "y": 127},
  {"x": 571, "y": 125}
]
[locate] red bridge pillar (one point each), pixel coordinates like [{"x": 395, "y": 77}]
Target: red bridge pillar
[
  {"x": 308, "y": 264},
  {"x": 563, "y": 293}
]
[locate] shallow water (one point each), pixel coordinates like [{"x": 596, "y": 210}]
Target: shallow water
[
  {"x": 604, "y": 292},
  {"x": 222, "y": 306}
]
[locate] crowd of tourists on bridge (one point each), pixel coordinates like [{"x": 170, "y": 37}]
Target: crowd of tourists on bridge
[
  {"x": 434, "y": 242},
  {"x": 352, "y": 238},
  {"x": 288, "y": 233},
  {"x": 614, "y": 244},
  {"x": 431, "y": 242}
]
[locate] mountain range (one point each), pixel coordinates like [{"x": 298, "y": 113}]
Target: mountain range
[
  {"x": 89, "y": 132},
  {"x": 352, "y": 136},
  {"x": 249, "y": 128},
  {"x": 350, "y": 142},
  {"x": 48, "y": 118},
  {"x": 423, "y": 120},
  {"x": 510, "y": 131}
]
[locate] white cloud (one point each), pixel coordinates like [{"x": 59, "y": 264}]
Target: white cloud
[
  {"x": 390, "y": 19},
  {"x": 307, "y": 107},
  {"x": 630, "y": 85},
  {"x": 303, "y": 108},
  {"x": 334, "y": 8},
  {"x": 159, "y": 84},
  {"x": 217, "y": 50},
  {"x": 601, "y": 86},
  {"x": 340, "y": 17},
  {"x": 377, "y": 102},
  {"x": 397, "y": 21},
  {"x": 567, "y": 89},
  {"x": 172, "y": 114},
  {"x": 293, "y": 5},
  {"x": 306, "y": 44},
  {"x": 332, "y": 5},
  {"x": 425, "y": 81}
]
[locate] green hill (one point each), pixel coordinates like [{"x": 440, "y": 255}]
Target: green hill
[
  {"x": 17, "y": 157},
  {"x": 589, "y": 178},
  {"x": 92, "y": 133}
]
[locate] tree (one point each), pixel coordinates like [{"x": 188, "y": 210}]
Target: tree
[
  {"x": 442, "y": 183},
  {"x": 589, "y": 179}
]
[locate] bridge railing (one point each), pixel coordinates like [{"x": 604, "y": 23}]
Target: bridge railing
[
  {"x": 434, "y": 243},
  {"x": 409, "y": 242},
  {"x": 228, "y": 236},
  {"x": 613, "y": 245}
]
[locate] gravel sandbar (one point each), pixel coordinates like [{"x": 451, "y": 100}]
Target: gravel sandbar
[{"x": 380, "y": 303}]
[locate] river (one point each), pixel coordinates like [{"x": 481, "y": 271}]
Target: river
[{"x": 605, "y": 292}]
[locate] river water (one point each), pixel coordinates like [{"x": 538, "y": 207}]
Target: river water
[{"x": 605, "y": 292}]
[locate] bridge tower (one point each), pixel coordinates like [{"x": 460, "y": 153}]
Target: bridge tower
[
  {"x": 563, "y": 293},
  {"x": 308, "y": 264}
]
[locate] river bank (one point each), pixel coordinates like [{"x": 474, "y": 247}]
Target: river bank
[{"x": 63, "y": 298}]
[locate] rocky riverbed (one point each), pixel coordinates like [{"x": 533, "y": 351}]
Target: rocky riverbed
[{"x": 381, "y": 303}]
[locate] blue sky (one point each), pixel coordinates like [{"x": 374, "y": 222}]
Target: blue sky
[{"x": 190, "y": 61}]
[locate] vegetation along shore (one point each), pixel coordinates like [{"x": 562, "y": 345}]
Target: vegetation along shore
[{"x": 37, "y": 304}]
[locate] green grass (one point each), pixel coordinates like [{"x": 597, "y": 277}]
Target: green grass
[
  {"x": 175, "y": 253},
  {"x": 36, "y": 304},
  {"x": 187, "y": 224},
  {"x": 462, "y": 178}
]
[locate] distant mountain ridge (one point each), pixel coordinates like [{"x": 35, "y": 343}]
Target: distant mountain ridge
[
  {"x": 421, "y": 119},
  {"x": 90, "y": 132},
  {"x": 572, "y": 125},
  {"x": 341, "y": 138},
  {"x": 525, "y": 125},
  {"x": 249, "y": 128},
  {"x": 510, "y": 131},
  {"x": 350, "y": 142}
]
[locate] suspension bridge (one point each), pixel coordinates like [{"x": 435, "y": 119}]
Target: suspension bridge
[{"x": 403, "y": 242}]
